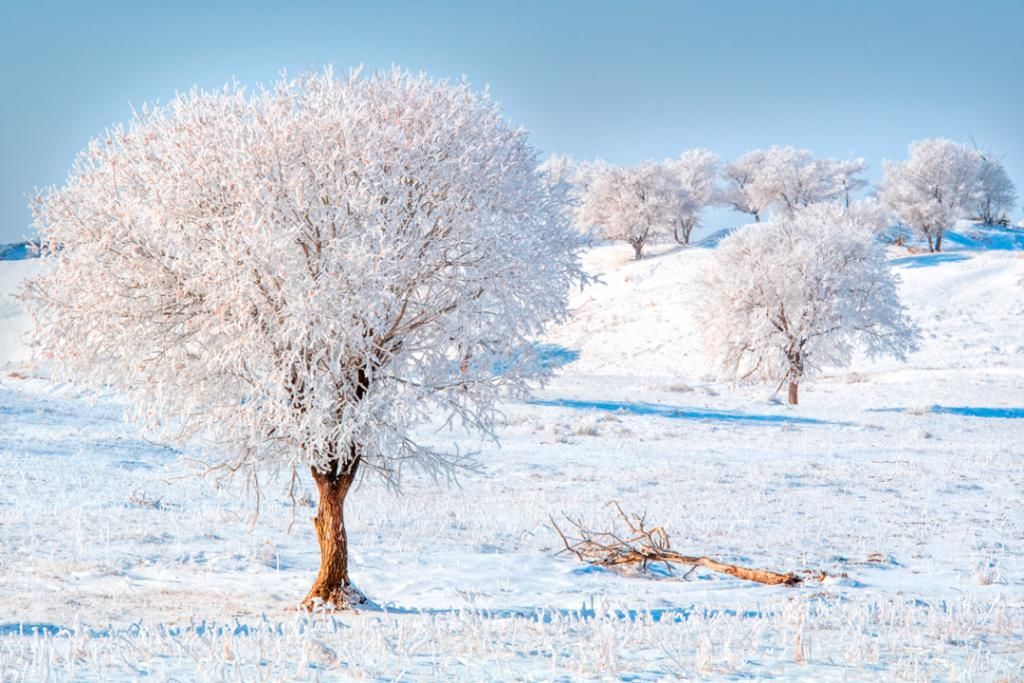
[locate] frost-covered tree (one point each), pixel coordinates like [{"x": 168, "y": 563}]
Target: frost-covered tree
[
  {"x": 636, "y": 204},
  {"x": 697, "y": 172},
  {"x": 845, "y": 177},
  {"x": 786, "y": 179},
  {"x": 792, "y": 178},
  {"x": 936, "y": 186},
  {"x": 779, "y": 301},
  {"x": 743, "y": 191},
  {"x": 298, "y": 277},
  {"x": 996, "y": 192}
]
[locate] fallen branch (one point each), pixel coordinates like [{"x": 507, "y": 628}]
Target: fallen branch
[{"x": 643, "y": 545}]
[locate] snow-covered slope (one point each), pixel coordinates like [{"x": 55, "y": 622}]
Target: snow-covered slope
[
  {"x": 14, "y": 322},
  {"x": 902, "y": 481},
  {"x": 636, "y": 322}
]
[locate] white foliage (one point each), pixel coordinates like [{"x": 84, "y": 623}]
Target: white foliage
[
  {"x": 301, "y": 275},
  {"x": 936, "y": 186},
  {"x": 558, "y": 169},
  {"x": 782, "y": 299}
]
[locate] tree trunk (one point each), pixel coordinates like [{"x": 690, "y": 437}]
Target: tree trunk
[
  {"x": 332, "y": 584},
  {"x": 757, "y": 217},
  {"x": 638, "y": 250},
  {"x": 684, "y": 231},
  {"x": 931, "y": 242},
  {"x": 794, "y": 390},
  {"x": 938, "y": 240}
]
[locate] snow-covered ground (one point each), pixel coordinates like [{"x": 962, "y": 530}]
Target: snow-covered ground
[{"x": 903, "y": 481}]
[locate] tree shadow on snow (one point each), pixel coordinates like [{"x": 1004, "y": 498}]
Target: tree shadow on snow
[
  {"x": 677, "y": 412},
  {"x": 927, "y": 260},
  {"x": 965, "y": 411}
]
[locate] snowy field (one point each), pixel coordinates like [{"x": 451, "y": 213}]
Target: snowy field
[{"x": 904, "y": 482}]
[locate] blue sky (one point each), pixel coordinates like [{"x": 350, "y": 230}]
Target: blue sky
[{"x": 621, "y": 81}]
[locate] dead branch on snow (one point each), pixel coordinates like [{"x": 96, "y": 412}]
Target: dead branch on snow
[{"x": 644, "y": 545}]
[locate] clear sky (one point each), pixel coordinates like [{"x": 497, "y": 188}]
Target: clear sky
[{"x": 623, "y": 81}]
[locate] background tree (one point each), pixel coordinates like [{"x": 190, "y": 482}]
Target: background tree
[
  {"x": 786, "y": 179},
  {"x": 697, "y": 173},
  {"x": 299, "y": 277},
  {"x": 845, "y": 175},
  {"x": 996, "y": 192},
  {"x": 781, "y": 300},
  {"x": 743, "y": 190},
  {"x": 635, "y": 205},
  {"x": 792, "y": 178},
  {"x": 936, "y": 186}
]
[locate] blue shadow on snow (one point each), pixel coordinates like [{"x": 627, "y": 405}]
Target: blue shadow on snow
[
  {"x": 675, "y": 412},
  {"x": 926, "y": 260},
  {"x": 965, "y": 411},
  {"x": 975, "y": 411}
]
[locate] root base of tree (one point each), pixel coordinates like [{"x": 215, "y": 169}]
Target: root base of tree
[{"x": 337, "y": 598}]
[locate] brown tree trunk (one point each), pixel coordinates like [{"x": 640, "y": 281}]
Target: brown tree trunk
[
  {"x": 794, "y": 391},
  {"x": 638, "y": 250},
  {"x": 938, "y": 241},
  {"x": 332, "y": 584}
]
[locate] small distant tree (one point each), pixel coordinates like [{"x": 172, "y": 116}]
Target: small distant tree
[
  {"x": 935, "y": 187},
  {"x": 299, "y": 277},
  {"x": 792, "y": 178},
  {"x": 743, "y": 190},
  {"x": 996, "y": 193},
  {"x": 697, "y": 172},
  {"x": 846, "y": 177},
  {"x": 779, "y": 301},
  {"x": 636, "y": 205}
]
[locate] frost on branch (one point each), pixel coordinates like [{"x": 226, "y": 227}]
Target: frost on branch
[
  {"x": 779, "y": 301},
  {"x": 300, "y": 276}
]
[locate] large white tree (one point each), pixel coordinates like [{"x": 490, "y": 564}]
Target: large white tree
[
  {"x": 298, "y": 277},
  {"x": 934, "y": 187},
  {"x": 780, "y": 300},
  {"x": 636, "y": 204},
  {"x": 696, "y": 171}
]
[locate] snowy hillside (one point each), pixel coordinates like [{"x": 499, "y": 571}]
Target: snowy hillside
[
  {"x": 636, "y": 321},
  {"x": 901, "y": 481},
  {"x": 14, "y": 324}
]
